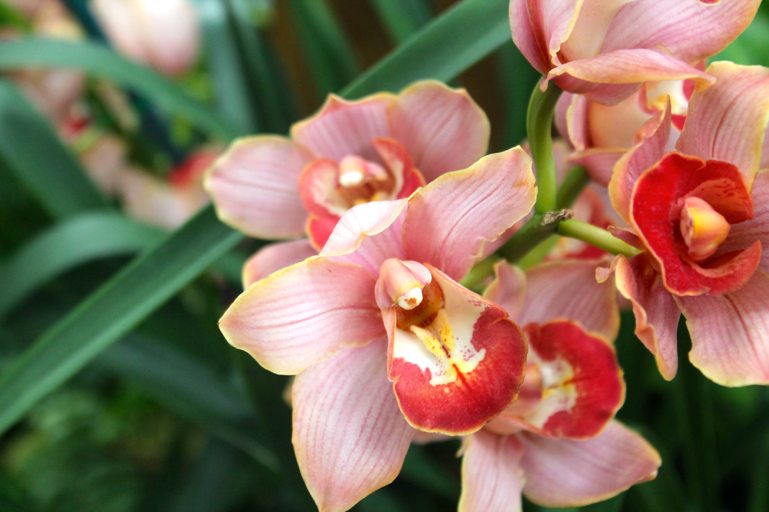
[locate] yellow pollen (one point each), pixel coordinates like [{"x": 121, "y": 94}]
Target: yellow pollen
[{"x": 702, "y": 228}]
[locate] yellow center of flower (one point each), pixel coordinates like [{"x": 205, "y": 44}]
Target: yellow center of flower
[{"x": 703, "y": 228}]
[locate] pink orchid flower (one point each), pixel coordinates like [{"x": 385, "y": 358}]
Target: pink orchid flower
[
  {"x": 383, "y": 338},
  {"x": 599, "y": 134},
  {"x": 558, "y": 443},
  {"x": 701, "y": 213},
  {"x": 605, "y": 49},
  {"x": 381, "y": 147}
]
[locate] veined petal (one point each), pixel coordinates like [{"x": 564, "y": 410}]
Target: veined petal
[
  {"x": 654, "y": 307},
  {"x": 455, "y": 363},
  {"x": 508, "y": 289},
  {"x": 492, "y": 478},
  {"x": 571, "y": 120},
  {"x": 653, "y": 145},
  {"x": 442, "y": 129},
  {"x": 449, "y": 220},
  {"x": 655, "y": 211},
  {"x": 592, "y": 24},
  {"x": 569, "y": 473},
  {"x": 369, "y": 234},
  {"x": 727, "y": 122},
  {"x": 528, "y": 35},
  {"x": 343, "y": 128},
  {"x": 567, "y": 290},
  {"x": 349, "y": 435},
  {"x": 581, "y": 380},
  {"x": 615, "y": 127},
  {"x": 255, "y": 187},
  {"x": 693, "y": 30},
  {"x": 275, "y": 257},
  {"x": 303, "y": 314},
  {"x": 598, "y": 162},
  {"x": 745, "y": 234},
  {"x": 629, "y": 67},
  {"x": 730, "y": 333}
]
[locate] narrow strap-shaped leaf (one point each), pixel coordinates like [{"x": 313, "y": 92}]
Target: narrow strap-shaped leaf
[
  {"x": 111, "y": 311},
  {"x": 151, "y": 279},
  {"x": 445, "y": 47},
  {"x": 98, "y": 60},
  {"x": 35, "y": 155},
  {"x": 402, "y": 18},
  {"x": 70, "y": 243}
]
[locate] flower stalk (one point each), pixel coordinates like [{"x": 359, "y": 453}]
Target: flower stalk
[
  {"x": 539, "y": 122},
  {"x": 596, "y": 237}
]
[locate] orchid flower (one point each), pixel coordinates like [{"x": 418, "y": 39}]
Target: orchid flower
[
  {"x": 383, "y": 338},
  {"x": 558, "y": 443},
  {"x": 163, "y": 34},
  {"x": 605, "y": 49},
  {"x": 381, "y": 147},
  {"x": 701, "y": 214}
]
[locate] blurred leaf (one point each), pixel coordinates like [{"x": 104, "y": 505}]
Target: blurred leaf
[
  {"x": 114, "y": 309},
  {"x": 329, "y": 53},
  {"x": 188, "y": 387},
  {"x": 421, "y": 470},
  {"x": 70, "y": 243},
  {"x": 445, "y": 47},
  {"x": 161, "y": 271},
  {"x": 97, "y": 60},
  {"x": 517, "y": 79},
  {"x": 401, "y": 18},
  {"x": 36, "y": 156},
  {"x": 752, "y": 46}
]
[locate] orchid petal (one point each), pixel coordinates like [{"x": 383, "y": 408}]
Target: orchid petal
[
  {"x": 442, "y": 129},
  {"x": 275, "y": 257},
  {"x": 569, "y": 473},
  {"x": 508, "y": 289},
  {"x": 528, "y": 33},
  {"x": 744, "y": 234},
  {"x": 647, "y": 23},
  {"x": 615, "y": 127},
  {"x": 571, "y": 120},
  {"x": 303, "y": 314},
  {"x": 727, "y": 122},
  {"x": 730, "y": 333},
  {"x": 592, "y": 24},
  {"x": 492, "y": 478},
  {"x": 455, "y": 385},
  {"x": 349, "y": 435},
  {"x": 369, "y": 234},
  {"x": 655, "y": 310},
  {"x": 647, "y": 152},
  {"x": 343, "y": 128},
  {"x": 449, "y": 220},
  {"x": 255, "y": 189},
  {"x": 598, "y": 162}
]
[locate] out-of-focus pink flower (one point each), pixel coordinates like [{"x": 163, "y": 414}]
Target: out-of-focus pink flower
[
  {"x": 170, "y": 203},
  {"x": 382, "y": 336},
  {"x": 702, "y": 215},
  {"x": 27, "y": 7},
  {"x": 163, "y": 34},
  {"x": 606, "y": 49},
  {"x": 558, "y": 443}
]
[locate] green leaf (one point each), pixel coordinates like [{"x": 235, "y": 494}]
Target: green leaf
[
  {"x": 98, "y": 60},
  {"x": 445, "y": 47},
  {"x": 160, "y": 272},
  {"x": 114, "y": 309},
  {"x": 401, "y": 18},
  {"x": 35, "y": 155},
  {"x": 70, "y": 243}
]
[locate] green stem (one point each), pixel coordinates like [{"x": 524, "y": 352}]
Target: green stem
[
  {"x": 539, "y": 123},
  {"x": 572, "y": 186},
  {"x": 597, "y": 237}
]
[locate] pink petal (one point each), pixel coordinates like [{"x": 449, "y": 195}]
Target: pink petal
[
  {"x": 492, "y": 478},
  {"x": 255, "y": 187},
  {"x": 572, "y": 121},
  {"x": 730, "y": 333},
  {"x": 528, "y": 35},
  {"x": 692, "y": 30},
  {"x": 745, "y": 234},
  {"x": 442, "y": 129},
  {"x": 727, "y": 122},
  {"x": 275, "y": 257},
  {"x": 650, "y": 150},
  {"x": 568, "y": 290},
  {"x": 599, "y": 163},
  {"x": 508, "y": 289},
  {"x": 615, "y": 127},
  {"x": 449, "y": 220},
  {"x": 593, "y": 22},
  {"x": 568, "y": 473},
  {"x": 349, "y": 435},
  {"x": 343, "y": 128},
  {"x": 303, "y": 314},
  {"x": 654, "y": 307},
  {"x": 369, "y": 234},
  {"x": 626, "y": 68}
]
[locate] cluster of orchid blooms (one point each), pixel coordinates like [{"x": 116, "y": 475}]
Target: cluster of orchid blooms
[{"x": 404, "y": 212}]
